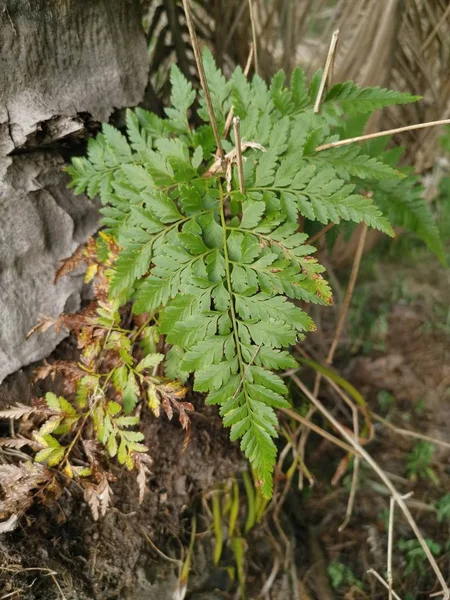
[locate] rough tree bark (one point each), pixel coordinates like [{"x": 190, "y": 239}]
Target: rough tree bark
[{"x": 62, "y": 63}]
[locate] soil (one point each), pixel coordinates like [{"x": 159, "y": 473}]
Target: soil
[
  {"x": 400, "y": 351},
  {"x": 112, "y": 559}
]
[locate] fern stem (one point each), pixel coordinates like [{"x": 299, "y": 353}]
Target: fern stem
[
  {"x": 228, "y": 277},
  {"x": 85, "y": 418},
  {"x": 237, "y": 140},
  {"x": 260, "y": 236}
]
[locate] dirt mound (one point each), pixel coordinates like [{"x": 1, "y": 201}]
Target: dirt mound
[{"x": 112, "y": 558}]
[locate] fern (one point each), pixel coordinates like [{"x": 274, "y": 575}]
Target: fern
[
  {"x": 405, "y": 206},
  {"x": 222, "y": 269},
  {"x": 402, "y": 199},
  {"x": 351, "y": 99}
]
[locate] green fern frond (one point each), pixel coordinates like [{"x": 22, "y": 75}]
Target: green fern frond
[
  {"x": 404, "y": 204},
  {"x": 351, "y": 99},
  {"x": 222, "y": 269},
  {"x": 349, "y": 162}
]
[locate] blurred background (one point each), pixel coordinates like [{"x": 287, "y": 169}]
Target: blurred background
[{"x": 401, "y": 44}]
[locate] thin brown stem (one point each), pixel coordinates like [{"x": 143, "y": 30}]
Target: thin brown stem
[
  {"x": 355, "y": 475},
  {"x": 382, "y": 581},
  {"x": 390, "y": 545},
  {"x": 409, "y": 433},
  {"x": 321, "y": 233},
  {"x": 348, "y": 293},
  {"x": 159, "y": 552},
  {"x": 327, "y": 69},
  {"x": 328, "y": 436},
  {"x": 371, "y": 136},
  {"x": 47, "y": 573},
  {"x": 237, "y": 141},
  {"x": 201, "y": 72},
  {"x": 367, "y": 414},
  {"x": 302, "y": 444},
  {"x": 399, "y": 499},
  {"x": 442, "y": 20},
  {"x": 337, "y": 335},
  {"x": 255, "y": 45}
]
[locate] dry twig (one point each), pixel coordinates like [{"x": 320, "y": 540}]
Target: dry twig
[
  {"x": 348, "y": 294},
  {"x": 201, "y": 72},
  {"x": 255, "y": 45},
  {"x": 351, "y": 498},
  {"x": 409, "y": 433},
  {"x": 328, "y": 436},
  {"x": 383, "y": 582},
  {"x": 390, "y": 543},
  {"x": 337, "y": 335},
  {"x": 399, "y": 499},
  {"x": 371, "y": 136},
  {"x": 321, "y": 233},
  {"x": 327, "y": 70}
]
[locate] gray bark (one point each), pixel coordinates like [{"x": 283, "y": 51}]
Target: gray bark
[{"x": 61, "y": 62}]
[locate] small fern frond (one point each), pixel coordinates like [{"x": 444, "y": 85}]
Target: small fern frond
[
  {"x": 404, "y": 204},
  {"x": 351, "y": 99}
]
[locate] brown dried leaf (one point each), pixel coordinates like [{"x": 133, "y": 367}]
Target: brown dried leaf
[
  {"x": 98, "y": 497},
  {"x": 141, "y": 461},
  {"x": 167, "y": 406},
  {"x": 69, "y": 369},
  {"x": 77, "y": 321},
  {"x": 42, "y": 325},
  {"x": 170, "y": 393},
  {"x": 19, "y": 442},
  {"x": 44, "y": 371},
  {"x": 17, "y": 482},
  {"x": 93, "y": 451},
  {"x": 10, "y": 524},
  {"x": 70, "y": 264},
  {"x": 90, "y": 250},
  {"x": 187, "y": 436},
  {"x": 341, "y": 469},
  {"x": 17, "y": 412}
]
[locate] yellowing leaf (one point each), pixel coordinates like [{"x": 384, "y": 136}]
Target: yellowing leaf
[
  {"x": 154, "y": 401},
  {"x": 90, "y": 273},
  {"x": 52, "y": 401},
  {"x": 112, "y": 444},
  {"x": 49, "y": 426},
  {"x": 149, "y": 361}
]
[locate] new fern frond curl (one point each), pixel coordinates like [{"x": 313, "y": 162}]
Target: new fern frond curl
[{"x": 223, "y": 269}]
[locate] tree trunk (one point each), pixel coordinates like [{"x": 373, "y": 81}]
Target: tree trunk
[{"x": 63, "y": 63}]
